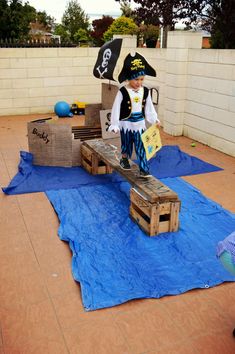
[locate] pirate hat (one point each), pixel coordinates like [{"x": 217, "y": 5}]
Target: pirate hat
[{"x": 135, "y": 66}]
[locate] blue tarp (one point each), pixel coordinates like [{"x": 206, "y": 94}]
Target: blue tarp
[
  {"x": 114, "y": 261},
  {"x": 170, "y": 162}
]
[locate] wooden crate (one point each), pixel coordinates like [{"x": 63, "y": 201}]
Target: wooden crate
[
  {"x": 91, "y": 162},
  {"x": 154, "y": 218}
]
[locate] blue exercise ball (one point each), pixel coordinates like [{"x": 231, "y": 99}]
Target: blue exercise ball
[{"x": 62, "y": 109}]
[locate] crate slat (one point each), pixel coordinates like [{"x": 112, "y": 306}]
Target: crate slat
[
  {"x": 139, "y": 220},
  {"x": 86, "y": 165},
  {"x": 87, "y": 153}
]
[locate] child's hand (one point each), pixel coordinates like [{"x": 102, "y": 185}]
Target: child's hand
[
  {"x": 158, "y": 124},
  {"x": 114, "y": 129}
]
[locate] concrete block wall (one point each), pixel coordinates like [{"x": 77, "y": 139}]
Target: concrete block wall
[
  {"x": 197, "y": 86},
  {"x": 176, "y": 78},
  {"x": 32, "y": 80},
  {"x": 157, "y": 59},
  {"x": 210, "y": 98}
]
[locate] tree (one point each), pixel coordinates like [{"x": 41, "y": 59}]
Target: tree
[
  {"x": 61, "y": 31},
  {"x": 122, "y": 25},
  {"x": 82, "y": 36},
  {"x": 163, "y": 13},
  {"x": 100, "y": 26},
  {"x": 126, "y": 8},
  {"x": 149, "y": 34},
  {"x": 47, "y": 22},
  {"x": 217, "y": 16},
  {"x": 4, "y": 18},
  {"x": 19, "y": 18},
  {"x": 221, "y": 24},
  {"x": 74, "y": 18},
  {"x": 16, "y": 19}
]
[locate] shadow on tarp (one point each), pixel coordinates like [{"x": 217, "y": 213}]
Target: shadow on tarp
[
  {"x": 169, "y": 162},
  {"x": 114, "y": 261}
]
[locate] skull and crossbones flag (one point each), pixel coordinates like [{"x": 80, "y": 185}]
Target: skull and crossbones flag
[{"x": 107, "y": 59}]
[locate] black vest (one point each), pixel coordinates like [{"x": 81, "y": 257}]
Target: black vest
[{"x": 125, "y": 111}]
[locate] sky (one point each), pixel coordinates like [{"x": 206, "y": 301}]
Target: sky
[{"x": 93, "y": 8}]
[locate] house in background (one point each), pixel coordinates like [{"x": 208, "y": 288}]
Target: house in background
[
  {"x": 206, "y": 39},
  {"x": 39, "y": 33}
]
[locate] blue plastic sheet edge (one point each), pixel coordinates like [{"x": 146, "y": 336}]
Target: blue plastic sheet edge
[{"x": 169, "y": 162}]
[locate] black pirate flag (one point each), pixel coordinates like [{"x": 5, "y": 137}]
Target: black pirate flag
[{"x": 107, "y": 59}]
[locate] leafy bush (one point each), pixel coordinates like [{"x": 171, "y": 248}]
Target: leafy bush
[
  {"x": 81, "y": 36},
  {"x": 122, "y": 25}
]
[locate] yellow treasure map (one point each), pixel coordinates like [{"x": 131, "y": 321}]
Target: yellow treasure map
[{"x": 152, "y": 141}]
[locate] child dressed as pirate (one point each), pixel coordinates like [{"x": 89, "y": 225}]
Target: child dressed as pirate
[{"x": 132, "y": 105}]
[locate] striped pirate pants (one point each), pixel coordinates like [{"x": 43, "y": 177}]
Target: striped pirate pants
[{"x": 130, "y": 138}]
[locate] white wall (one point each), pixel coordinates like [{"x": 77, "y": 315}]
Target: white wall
[
  {"x": 210, "y": 98},
  {"x": 32, "y": 80},
  {"x": 197, "y": 86},
  {"x": 197, "y": 90}
]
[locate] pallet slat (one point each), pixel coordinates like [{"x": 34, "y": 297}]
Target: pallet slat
[{"x": 86, "y": 133}]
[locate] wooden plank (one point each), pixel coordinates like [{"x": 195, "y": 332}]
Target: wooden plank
[
  {"x": 109, "y": 169},
  {"x": 86, "y": 165},
  {"x": 94, "y": 164},
  {"x": 139, "y": 220},
  {"x": 165, "y": 208},
  {"x": 164, "y": 226},
  {"x": 102, "y": 170},
  {"x": 86, "y": 127},
  {"x": 86, "y": 133},
  {"x": 86, "y": 137},
  {"x": 86, "y": 152},
  {"x": 151, "y": 188},
  {"x": 141, "y": 203},
  {"x": 174, "y": 216},
  {"x": 154, "y": 220}
]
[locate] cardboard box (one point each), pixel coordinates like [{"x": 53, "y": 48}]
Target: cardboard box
[
  {"x": 52, "y": 144},
  {"x": 92, "y": 114},
  {"x": 57, "y": 142}
]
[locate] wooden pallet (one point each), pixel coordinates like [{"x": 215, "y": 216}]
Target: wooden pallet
[
  {"x": 86, "y": 133},
  {"x": 154, "y": 206}
]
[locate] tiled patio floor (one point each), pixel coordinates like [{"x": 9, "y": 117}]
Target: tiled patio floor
[{"x": 40, "y": 304}]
